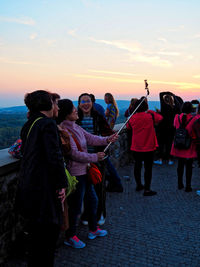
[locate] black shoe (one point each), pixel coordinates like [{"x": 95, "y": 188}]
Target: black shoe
[
  {"x": 149, "y": 193},
  {"x": 180, "y": 186},
  {"x": 116, "y": 188},
  {"x": 188, "y": 189},
  {"x": 139, "y": 187}
]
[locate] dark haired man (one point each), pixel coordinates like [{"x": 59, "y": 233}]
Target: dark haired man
[{"x": 42, "y": 179}]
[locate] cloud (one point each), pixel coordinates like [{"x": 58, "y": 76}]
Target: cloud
[
  {"x": 177, "y": 29},
  {"x": 126, "y": 45},
  {"x": 23, "y": 20},
  {"x": 51, "y": 42},
  {"x": 33, "y": 36},
  {"x": 136, "y": 52},
  {"x": 196, "y": 36},
  {"x": 72, "y": 32},
  {"x": 10, "y": 61},
  {"x": 196, "y": 76},
  {"x": 162, "y": 40},
  {"x": 168, "y": 53},
  {"x": 181, "y": 85},
  {"x": 114, "y": 73}
]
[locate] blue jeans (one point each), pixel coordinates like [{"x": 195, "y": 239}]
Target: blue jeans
[
  {"x": 114, "y": 177},
  {"x": 83, "y": 189}
]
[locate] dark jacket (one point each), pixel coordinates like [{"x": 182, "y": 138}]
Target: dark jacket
[
  {"x": 100, "y": 125},
  {"x": 42, "y": 171}
]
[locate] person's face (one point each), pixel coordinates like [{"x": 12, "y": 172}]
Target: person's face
[
  {"x": 73, "y": 116},
  {"x": 55, "y": 108},
  {"x": 106, "y": 99},
  {"x": 85, "y": 104}
]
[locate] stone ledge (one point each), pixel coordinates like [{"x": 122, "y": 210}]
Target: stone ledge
[{"x": 7, "y": 162}]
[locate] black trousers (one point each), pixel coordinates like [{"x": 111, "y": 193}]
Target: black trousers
[
  {"x": 180, "y": 171},
  {"x": 42, "y": 244},
  {"x": 147, "y": 157}
]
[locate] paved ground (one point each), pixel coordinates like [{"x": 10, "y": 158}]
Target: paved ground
[{"x": 162, "y": 230}]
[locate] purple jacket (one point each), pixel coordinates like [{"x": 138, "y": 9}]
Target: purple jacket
[{"x": 79, "y": 159}]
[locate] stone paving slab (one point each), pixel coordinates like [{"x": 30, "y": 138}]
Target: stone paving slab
[{"x": 161, "y": 230}]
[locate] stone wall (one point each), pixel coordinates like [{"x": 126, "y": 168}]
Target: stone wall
[{"x": 10, "y": 225}]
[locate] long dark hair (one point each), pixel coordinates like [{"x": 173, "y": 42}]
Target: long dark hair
[
  {"x": 65, "y": 108},
  {"x": 186, "y": 109}
]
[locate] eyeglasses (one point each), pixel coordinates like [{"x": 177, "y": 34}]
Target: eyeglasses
[{"x": 85, "y": 101}]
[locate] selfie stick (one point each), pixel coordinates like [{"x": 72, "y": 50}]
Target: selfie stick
[{"x": 146, "y": 88}]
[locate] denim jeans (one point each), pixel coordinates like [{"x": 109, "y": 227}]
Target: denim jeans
[
  {"x": 114, "y": 177},
  {"x": 83, "y": 189}
]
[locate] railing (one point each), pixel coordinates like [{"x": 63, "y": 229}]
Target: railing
[{"x": 10, "y": 225}]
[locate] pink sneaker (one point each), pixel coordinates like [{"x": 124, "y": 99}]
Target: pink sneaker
[
  {"x": 98, "y": 232},
  {"x": 74, "y": 242}
]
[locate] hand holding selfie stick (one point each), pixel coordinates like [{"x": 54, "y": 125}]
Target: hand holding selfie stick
[{"x": 146, "y": 88}]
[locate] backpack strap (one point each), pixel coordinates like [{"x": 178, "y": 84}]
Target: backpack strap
[
  {"x": 32, "y": 126},
  {"x": 181, "y": 124}
]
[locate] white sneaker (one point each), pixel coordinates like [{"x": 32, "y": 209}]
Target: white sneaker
[
  {"x": 158, "y": 162},
  {"x": 84, "y": 222},
  {"x": 101, "y": 221}
]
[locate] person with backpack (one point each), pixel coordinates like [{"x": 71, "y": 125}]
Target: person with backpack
[{"x": 184, "y": 146}]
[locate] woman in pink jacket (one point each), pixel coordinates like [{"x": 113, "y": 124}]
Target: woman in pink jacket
[
  {"x": 185, "y": 156},
  {"x": 77, "y": 164}
]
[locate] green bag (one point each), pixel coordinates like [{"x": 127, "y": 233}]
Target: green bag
[{"x": 72, "y": 181}]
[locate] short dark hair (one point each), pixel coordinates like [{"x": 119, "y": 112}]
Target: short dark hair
[
  {"x": 55, "y": 96},
  {"x": 65, "y": 108},
  {"x": 142, "y": 103},
  {"x": 39, "y": 100},
  {"x": 187, "y": 107}
]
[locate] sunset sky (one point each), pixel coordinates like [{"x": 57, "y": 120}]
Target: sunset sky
[{"x": 99, "y": 46}]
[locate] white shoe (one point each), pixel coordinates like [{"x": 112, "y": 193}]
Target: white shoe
[
  {"x": 158, "y": 162},
  {"x": 84, "y": 222},
  {"x": 101, "y": 221}
]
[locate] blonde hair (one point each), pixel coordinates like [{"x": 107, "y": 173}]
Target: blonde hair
[{"x": 111, "y": 100}]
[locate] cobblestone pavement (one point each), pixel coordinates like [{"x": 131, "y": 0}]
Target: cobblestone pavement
[{"x": 161, "y": 230}]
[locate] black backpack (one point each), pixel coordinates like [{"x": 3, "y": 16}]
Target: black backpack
[{"x": 182, "y": 139}]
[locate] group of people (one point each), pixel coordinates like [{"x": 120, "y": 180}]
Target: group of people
[
  {"x": 59, "y": 136},
  {"x": 155, "y": 132}
]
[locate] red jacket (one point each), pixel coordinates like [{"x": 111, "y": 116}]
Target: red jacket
[{"x": 143, "y": 132}]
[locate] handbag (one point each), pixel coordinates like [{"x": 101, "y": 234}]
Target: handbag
[
  {"x": 94, "y": 174},
  {"x": 15, "y": 149},
  {"x": 72, "y": 181}
]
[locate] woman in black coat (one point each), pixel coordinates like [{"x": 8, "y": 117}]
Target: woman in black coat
[{"x": 42, "y": 179}]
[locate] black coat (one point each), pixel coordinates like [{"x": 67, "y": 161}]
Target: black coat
[{"x": 42, "y": 171}]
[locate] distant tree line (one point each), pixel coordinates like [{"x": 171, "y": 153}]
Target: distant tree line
[
  {"x": 11, "y": 124},
  {"x": 10, "y": 127}
]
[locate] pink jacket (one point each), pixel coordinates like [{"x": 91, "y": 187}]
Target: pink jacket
[
  {"x": 184, "y": 153},
  {"x": 80, "y": 159}
]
